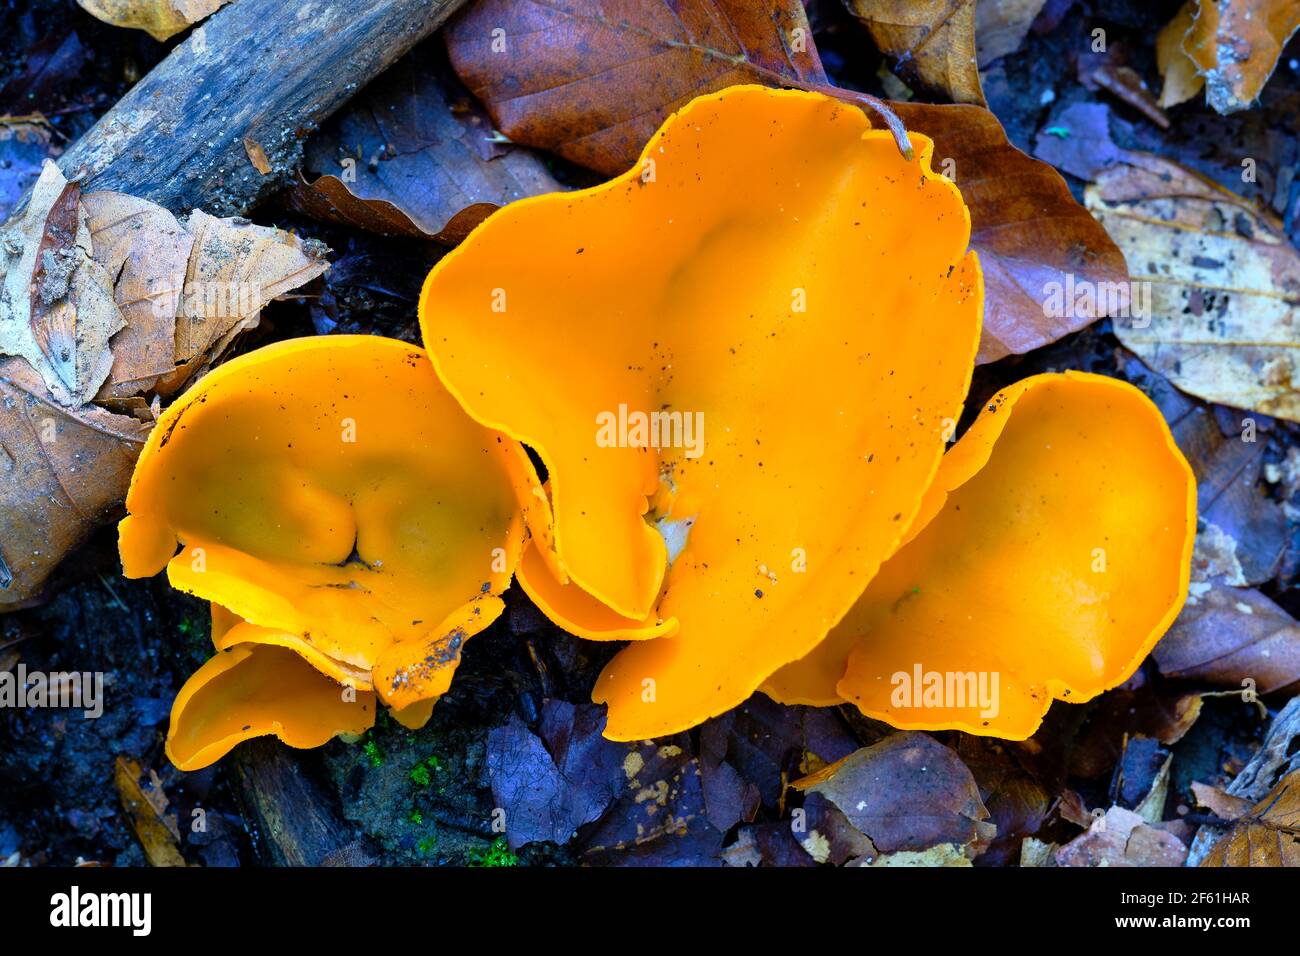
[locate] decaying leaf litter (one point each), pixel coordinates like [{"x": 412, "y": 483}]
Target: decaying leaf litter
[{"x": 723, "y": 794}]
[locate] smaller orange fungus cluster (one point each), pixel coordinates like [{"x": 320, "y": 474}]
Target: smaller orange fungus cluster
[{"x": 350, "y": 525}]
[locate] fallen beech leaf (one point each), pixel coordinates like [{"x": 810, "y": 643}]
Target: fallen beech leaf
[
  {"x": 56, "y": 304},
  {"x": 908, "y": 792},
  {"x": 404, "y": 159},
  {"x": 161, "y": 19},
  {"x": 1223, "y": 282},
  {"x": 1001, "y": 26},
  {"x": 592, "y": 80},
  {"x": 157, "y": 834},
  {"x": 1235, "y": 45},
  {"x": 1122, "y": 838},
  {"x": 1268, "y": 835},
  {"x": 1017, "y": 803},
  {"x": 1126, "y": 85},
  {"x": 932, "y": 42},
  {"x": 594, "y": 88},
  {"x": 1226, "y": 636},
  {"x": 62, "y": 471},
  {"x": 1140, "y": 707}
]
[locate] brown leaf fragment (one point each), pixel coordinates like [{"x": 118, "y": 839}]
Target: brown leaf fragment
[
  {"x": 1001, "y": 26},
  {"x": 406, "y": 159},
  {"x": 908, "y": 792},
  {"x": 1233, "y": 637},
  {"x": 1236, "y": 44},
  {"x": 932, "y": 43},
  {"x": 161, "y": 19},
  {"x": 1268, "y": 835},
  {"x": 1122, "y": 838},
  {"x": 1182, "y": 81},
  {"x": 592, "y": 80},
  {"x": 156, "y": 833},
  {"x": 56, "y": 305},
  {"x": 235, "y": 268},
  {"x": 257, "y": 155},
  {"x": 1221, "y": 803},
  {"x": 62, "y": 472},
  {"x": 1217, "y": 284},
  {"x": 147, "y": 250}
]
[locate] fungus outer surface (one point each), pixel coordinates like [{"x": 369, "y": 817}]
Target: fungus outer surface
[{"x": 1057, "y": 553}]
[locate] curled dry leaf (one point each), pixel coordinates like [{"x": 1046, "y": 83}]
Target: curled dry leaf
[
  {"x": 104, "y": 298},
  {"x": 907, "y": 793},
  {"x": 566, "y": 77},
  {"x": 1230, "y": 47},
  {"x": 161, "y": 19},
  {"x": 1215, "y": 284},
  {"x": 1233, "y": 637},
  {"x": 931, "y": 42},
  {"x": 405, "y": 159}
]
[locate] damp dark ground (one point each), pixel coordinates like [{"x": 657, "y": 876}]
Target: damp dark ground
[{"x": 418, "y": 798}]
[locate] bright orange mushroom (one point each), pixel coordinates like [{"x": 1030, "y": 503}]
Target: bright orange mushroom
[
  {"x": 738, "y": 362},
  {"x": 335, "y": 499},
  {"x": 1053, "y": 553}
]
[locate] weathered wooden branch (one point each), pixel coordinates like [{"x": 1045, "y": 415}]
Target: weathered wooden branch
[{"x": 256, "y": 78}]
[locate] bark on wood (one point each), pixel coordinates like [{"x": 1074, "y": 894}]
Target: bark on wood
[
  {"x": 257, "y": 77},
  {"x": 296, "y": 822}
]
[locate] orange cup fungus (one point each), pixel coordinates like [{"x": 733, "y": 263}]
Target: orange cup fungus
[
  {"x": 350, "y": 524},
  {"x": 740, "y": 363}
]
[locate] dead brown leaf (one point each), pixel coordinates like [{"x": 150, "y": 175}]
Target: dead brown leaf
[
  {"x": 1223, "y": 283},
  {"x": 405, "y": 159},
  {"x": 155, "y": 830},
  {"x": 1227, "y": 636},
  {"x": 932, "y": 43},
  {"x": 906, "y": 793},
  {"x": 1122, "y": 838},
  {"x": 161, "y": 19},
  {"x": 1268, "y": 835},
  {"x": 1223, "y": 804}
]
